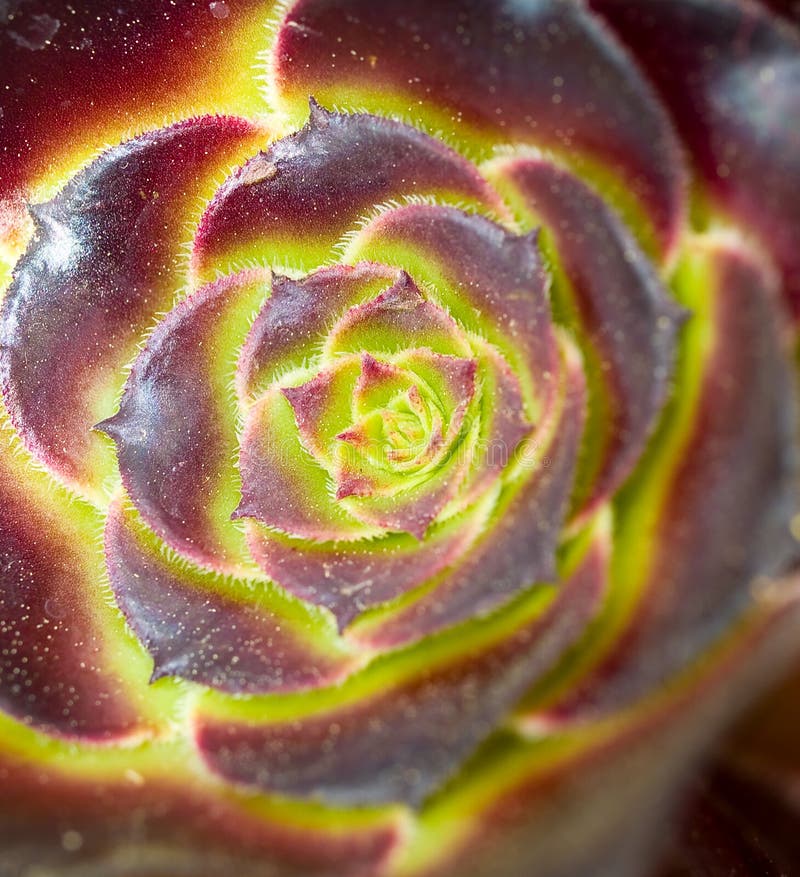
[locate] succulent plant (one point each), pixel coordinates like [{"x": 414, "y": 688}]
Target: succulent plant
[{"x": 400, "y": 473}]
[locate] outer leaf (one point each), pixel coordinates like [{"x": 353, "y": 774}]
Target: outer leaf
[
  {"x": 77, "y": 75},
  {"x": 356, "y": 576},
  {"x": 544, "y": 72},
  {"x": 614, "y": 298},
  {"x": 546, "y": 807},
  {"x": 729, "y": 73},
  {"x": 237, "y": 640},
  {"x": 716, "y": 508},
  {"x": 292, "y": 203},
  {"x": 60, "y": 651},
  {"x": 175, "y": 430},
  {"x": 153, "y": 815},
  {"x": 401, "y": 743},
  {"x": 71, "y": 319}
]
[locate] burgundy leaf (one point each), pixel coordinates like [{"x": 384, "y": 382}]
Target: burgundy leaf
[
  {"x": 491, "y": 281},
  {"x": 790, "y": 9},
  {"x": 300, "y": 312},
  {"x": 553, "y": 814},
  {"x": 77, "y": 75},
  {"x": 175, "y": 428},
  {"x": 169, "y": 822},
  {"x": 730, "y": 75},
  {"x": 282, "y": 485},
  {"x": 348, "y": 578},
  {"x": 733, "y": 828},
  {"x": 401, "y": 744},
  {"x": 730, "y": 499},
  {"x": 197, "y": 629},
  {"x": 503, "y": 425},
  {"x": 302, "y": 194},
  {"x": 398, "y": 318},
  {"x": 545, "y": 72},
  {"x": 105, "y": 259},
  {"x": 620, "y": 305},
  {"x": 54, "y": 653}
]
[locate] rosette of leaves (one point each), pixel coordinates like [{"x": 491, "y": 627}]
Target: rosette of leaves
[{"x": 401, "y": 428}]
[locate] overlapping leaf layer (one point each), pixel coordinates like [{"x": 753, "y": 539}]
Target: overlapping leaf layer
[{"x": 393, "y": 445}]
